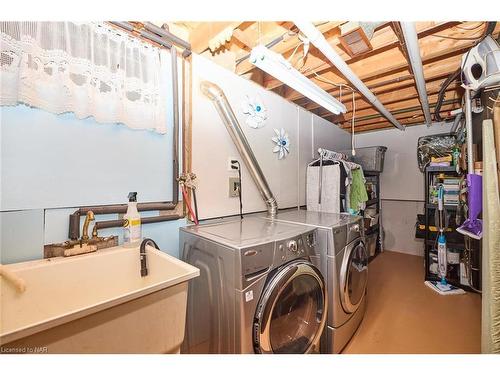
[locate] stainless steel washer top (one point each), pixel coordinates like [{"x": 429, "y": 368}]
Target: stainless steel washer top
[
  {"x": 250, "y": 231},
  {"x": 316, "y": 219}
]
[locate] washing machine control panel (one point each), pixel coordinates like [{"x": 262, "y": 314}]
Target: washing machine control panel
[{"x": 296, "y": 247}]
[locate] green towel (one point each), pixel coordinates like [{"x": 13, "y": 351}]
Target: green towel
[{"x": 358, "y": 190}]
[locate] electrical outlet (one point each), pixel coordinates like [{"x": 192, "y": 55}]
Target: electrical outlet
[
  {"x": 229, "y": 163},
  {"x": 234, "y": 187}
]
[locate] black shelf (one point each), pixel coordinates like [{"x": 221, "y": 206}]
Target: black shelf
[
  {"x": 441, "y": 169},
  {"x": 374, "y": 177},
  {"x": 453, "y": 239},
  {"x": 459, "y": 245},
  {"x": 447, "y": 206},
  {"x": 372, "y": 229}
]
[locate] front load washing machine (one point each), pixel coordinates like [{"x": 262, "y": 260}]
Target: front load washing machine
[
  {"x": 344, "y": 264},
  {"x": 259, "y": 290}
]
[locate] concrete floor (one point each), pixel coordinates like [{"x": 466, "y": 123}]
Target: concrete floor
[{"x": 405, "y": 316}]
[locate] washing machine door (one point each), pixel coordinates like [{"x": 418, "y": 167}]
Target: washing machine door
[
  {"x": 353, "y": 276},
  {"x": 291, "y": 313}
]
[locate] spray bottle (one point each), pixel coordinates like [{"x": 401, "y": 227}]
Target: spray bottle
[{"x": 132, "y": 235}]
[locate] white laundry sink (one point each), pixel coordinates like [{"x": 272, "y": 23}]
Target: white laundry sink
[{"x": 96, "y": 303}]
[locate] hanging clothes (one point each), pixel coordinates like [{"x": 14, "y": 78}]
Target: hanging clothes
[{"x": 358, "y": 194}]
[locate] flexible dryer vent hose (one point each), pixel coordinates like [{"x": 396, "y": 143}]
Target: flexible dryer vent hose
[{"x": 215, "y": 93}]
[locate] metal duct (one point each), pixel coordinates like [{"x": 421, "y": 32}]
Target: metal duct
[
  {"x": 319, "y": 41},
  {"x": 215, "y": 93},
  {"x": 411, "y": 42}
]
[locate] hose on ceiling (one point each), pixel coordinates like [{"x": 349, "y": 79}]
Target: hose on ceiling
[{"x": 453, "y": 76}]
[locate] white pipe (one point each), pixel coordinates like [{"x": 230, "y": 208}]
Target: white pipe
[
  {"x": 411, "y": 42},
  {"x": 319, "y": 41},
  {"x": 468, "y": 127}
]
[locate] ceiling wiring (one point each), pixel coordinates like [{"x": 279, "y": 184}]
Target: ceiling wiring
[
  {"x": 469, "y": 28},
  {"x": 353, "y": 116},
  {"x": 475, "y": 38}
]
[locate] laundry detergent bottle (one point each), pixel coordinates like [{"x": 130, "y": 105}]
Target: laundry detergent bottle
[{"x": 133, "y": 232}]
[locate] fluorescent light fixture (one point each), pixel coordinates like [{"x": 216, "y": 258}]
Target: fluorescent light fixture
[{"x": 275, "y": 64}]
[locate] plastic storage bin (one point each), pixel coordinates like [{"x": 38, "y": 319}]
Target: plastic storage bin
[{"x": 371, "y": 159}]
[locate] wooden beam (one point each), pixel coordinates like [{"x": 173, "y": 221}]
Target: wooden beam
[
  {"x": 203, "y": 33},
  {"x": 404, "y": 113},
  {"x": 401, "y": 104},
  {"x": 432, "y": 83},
  {"x": 391, "y": 99},
  {"x": 406, "y": 119}
]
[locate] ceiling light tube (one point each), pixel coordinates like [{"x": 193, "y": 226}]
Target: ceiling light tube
[
  {"x": 319, "y": 41},
  {"x": 275, "y": 64},
  {"x": 411, "y": 42}
]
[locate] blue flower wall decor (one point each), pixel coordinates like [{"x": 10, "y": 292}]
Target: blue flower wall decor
[
  {"x": 256, "y": 112},
  {"x": 282, "y": 143}
]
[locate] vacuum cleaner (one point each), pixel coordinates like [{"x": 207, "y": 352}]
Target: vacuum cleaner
[{"x": 442, "y": 287}]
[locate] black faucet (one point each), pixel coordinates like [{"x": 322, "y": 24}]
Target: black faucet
[{"x": 144, "y": 267}]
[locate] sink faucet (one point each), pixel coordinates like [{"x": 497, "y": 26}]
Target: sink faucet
[
  {"x": 144, "y": 267},
  {"x": 90, "y": 217}
]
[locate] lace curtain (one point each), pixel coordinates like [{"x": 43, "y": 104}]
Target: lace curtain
[{"x": 90, "y": 69}]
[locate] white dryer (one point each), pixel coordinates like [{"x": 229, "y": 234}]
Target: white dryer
[{"x": 344, "y": 264}]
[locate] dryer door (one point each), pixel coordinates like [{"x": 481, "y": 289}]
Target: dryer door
[
  {"x": 353, "y": 276},
  {"x": 291, "y": 314}
]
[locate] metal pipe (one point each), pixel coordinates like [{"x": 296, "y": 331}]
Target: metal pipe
[
  {"x": 170, "y": 37},
  {"x": 145, "y": 34},
  {"x": 215, "y": 93},
  {"x": 175, "y": 143},
  {"x": 411, "y": 43},
  {"x": 144, "y": 220},
  {"x": 319, "y": 41},
  {"x": 468, "y": 126},
  {"x": 454, "y": 127},
  {"x": 122, "y": 208}
]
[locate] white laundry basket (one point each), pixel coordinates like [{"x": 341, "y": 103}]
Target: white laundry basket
[{"x": 324, "y": 180}]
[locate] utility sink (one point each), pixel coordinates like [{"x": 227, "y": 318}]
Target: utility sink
[{"x": 96, "y": 303}]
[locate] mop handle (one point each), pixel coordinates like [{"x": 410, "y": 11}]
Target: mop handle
[{"x": 440, "y": 197}]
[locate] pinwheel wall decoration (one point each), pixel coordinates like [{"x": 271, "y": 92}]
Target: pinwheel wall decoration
[
  {"x": 282, "y": 143},
  {"x": 255, "y": 110}
]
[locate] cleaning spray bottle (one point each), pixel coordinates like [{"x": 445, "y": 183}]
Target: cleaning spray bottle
[{"x": 132, "y": 235}]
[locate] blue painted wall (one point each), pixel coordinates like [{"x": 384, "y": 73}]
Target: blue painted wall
[{"x": 51, "y": 164}]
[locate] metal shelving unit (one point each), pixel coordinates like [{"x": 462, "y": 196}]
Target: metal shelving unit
[
  {"x": 430, "y": 237},
  {"x": 371, "y": 202}
]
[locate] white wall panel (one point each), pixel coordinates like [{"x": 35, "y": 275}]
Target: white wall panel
[
  {"x": 212, "y": 145},
  {"x": 306, "y": 152},
  {"x": 402, "y": 183},
  {"x": 329, "y": 136},
  {"x": 401, "y": 178}
]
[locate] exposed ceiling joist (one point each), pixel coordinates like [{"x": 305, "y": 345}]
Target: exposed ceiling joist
[
  {"x": 386, "y": 69},
  {"x": 318, "y": 65},
  {"x": 201, "y": 35}
]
